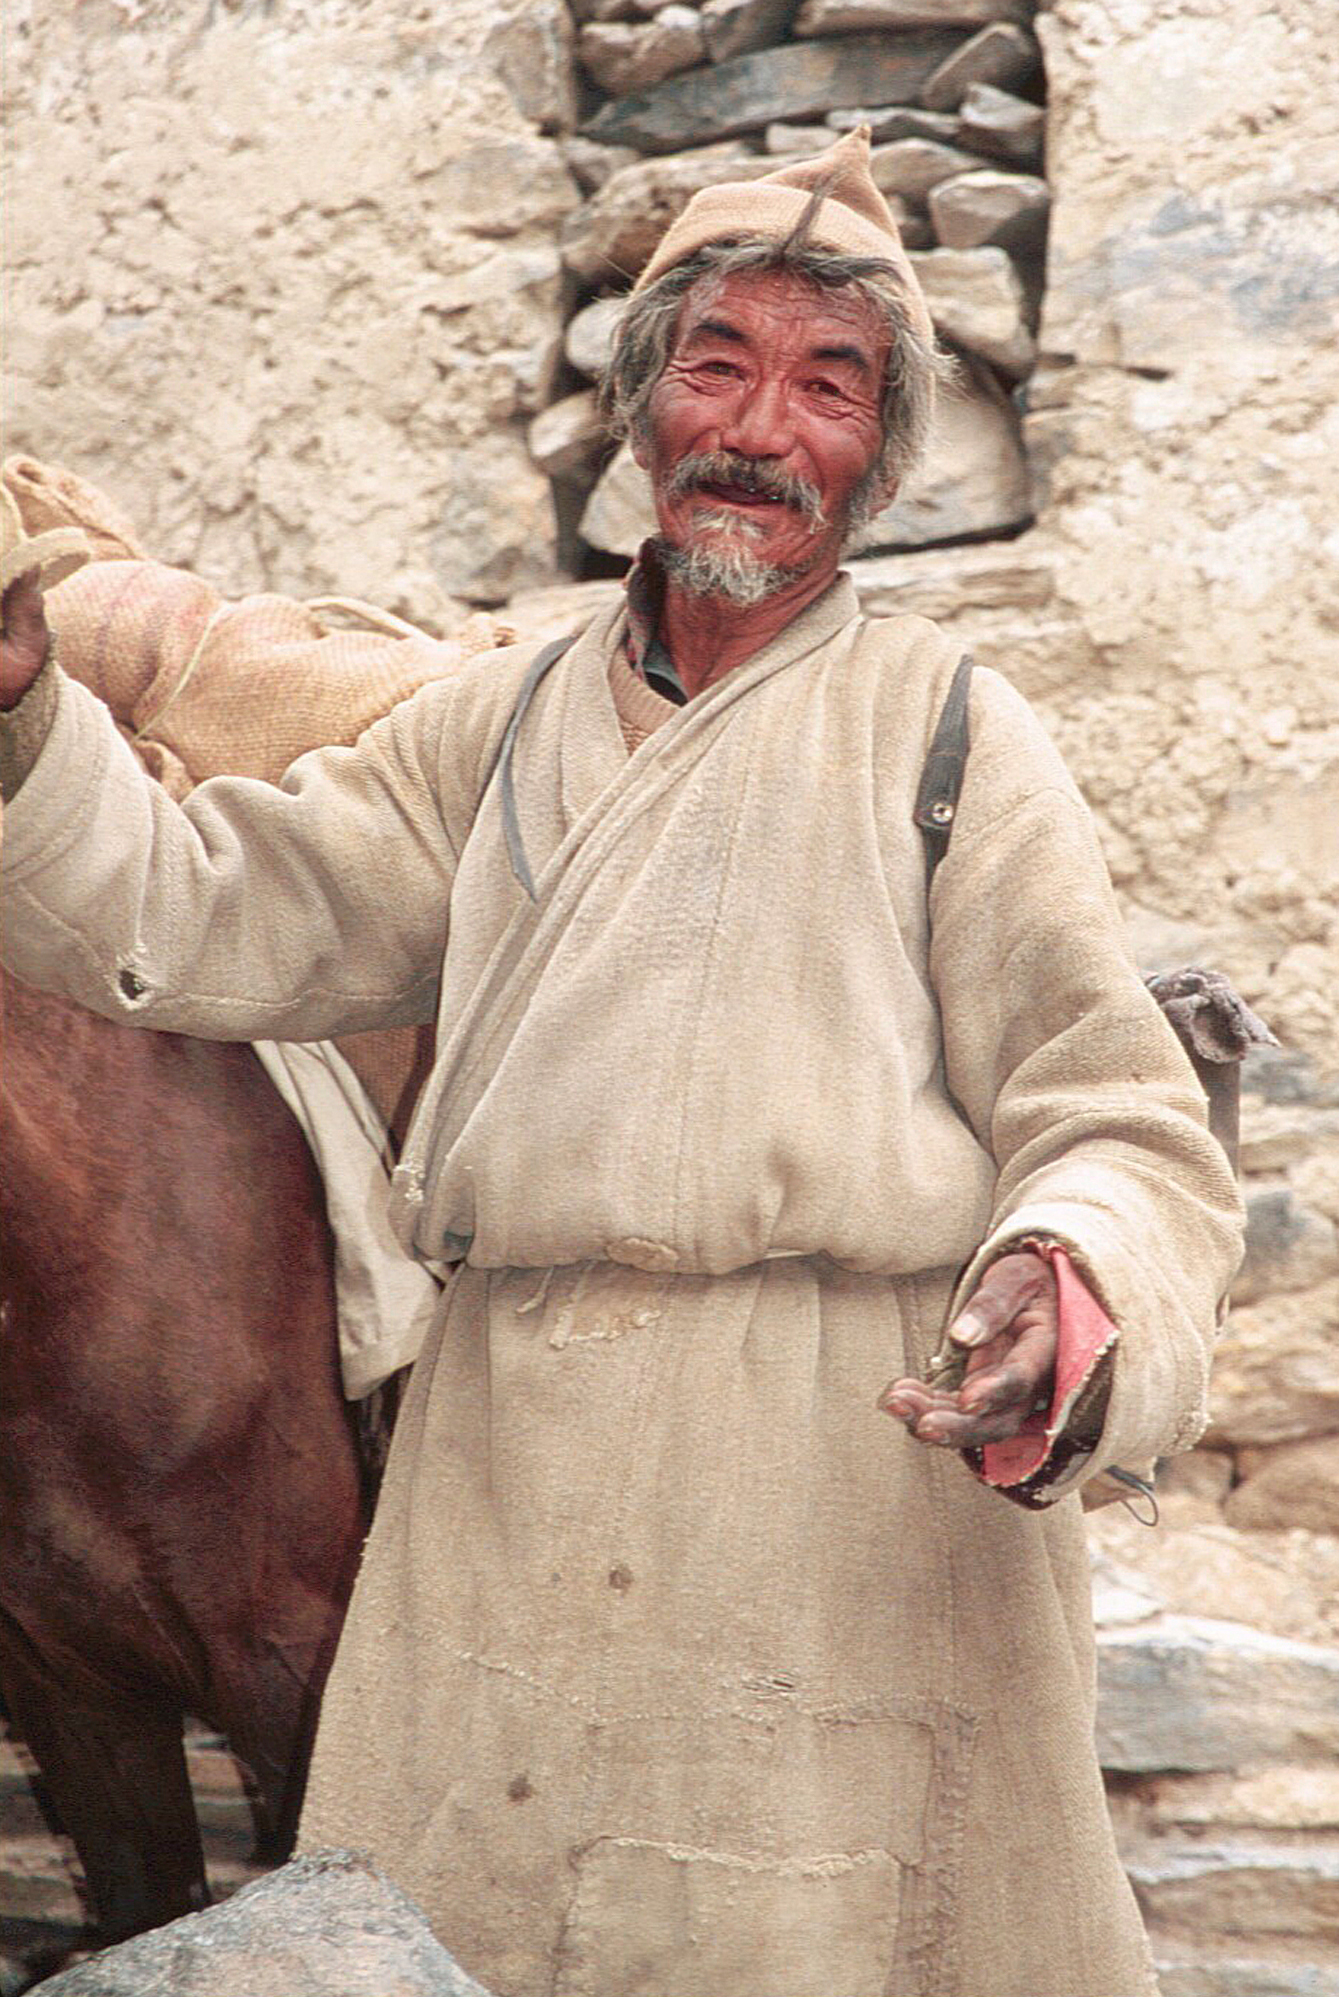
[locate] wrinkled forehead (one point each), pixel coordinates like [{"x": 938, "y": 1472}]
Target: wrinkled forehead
[{"x": 778, "y": 308}]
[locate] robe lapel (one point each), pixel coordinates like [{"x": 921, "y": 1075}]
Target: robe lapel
[{"x": 594, "y": 765}]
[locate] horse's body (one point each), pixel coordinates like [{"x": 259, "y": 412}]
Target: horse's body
[{"x": 180, "y": 1495}]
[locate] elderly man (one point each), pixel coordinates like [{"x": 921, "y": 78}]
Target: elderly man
[{"x": 676, "y": 1669}]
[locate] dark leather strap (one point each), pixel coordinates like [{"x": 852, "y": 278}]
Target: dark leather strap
[
  {"x": 511, "y": 824},
  {"x": 936, "y": 797},
  {"x": 936, "y": 804}
]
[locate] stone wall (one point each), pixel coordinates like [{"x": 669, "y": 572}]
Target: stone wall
[
  {"x": 294, "y": 283},
  {"x": 731, "y": 90}
]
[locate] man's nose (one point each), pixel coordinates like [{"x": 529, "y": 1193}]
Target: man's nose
[{"x": 759, "y": 423}]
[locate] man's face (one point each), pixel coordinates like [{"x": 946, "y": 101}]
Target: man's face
[{"x": 766, "y": 422}]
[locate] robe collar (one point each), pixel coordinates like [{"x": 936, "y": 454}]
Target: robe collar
[
  {"x": 592, "y": 753},
  {"x": 643, "y": 646}
]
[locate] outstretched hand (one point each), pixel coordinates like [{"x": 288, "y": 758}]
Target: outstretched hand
[
  {"x": 1009, "y": 1327},
  {"x": 24, "y": 637}
]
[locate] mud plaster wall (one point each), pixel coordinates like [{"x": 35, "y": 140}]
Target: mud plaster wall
[
  {"x": 284, "y": 278},
  {"x": 285, "y": 281}
]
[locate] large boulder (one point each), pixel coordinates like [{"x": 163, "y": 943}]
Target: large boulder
[
  {"x": 976, "y": 299},
  {"x": 328, "y": 1925},
  {"x": 974, "y": 479},
  {"x": 1192, "y": 1693}
]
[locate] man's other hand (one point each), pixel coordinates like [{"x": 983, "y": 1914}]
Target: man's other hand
[
  {"x": 24, "y": 637},
  {"x": 1009, "y": 1326}
]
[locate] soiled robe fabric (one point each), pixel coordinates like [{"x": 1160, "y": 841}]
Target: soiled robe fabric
[{"x": 675, "y": 1669}]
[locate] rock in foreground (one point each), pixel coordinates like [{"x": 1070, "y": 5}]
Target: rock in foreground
[{"x": 330, "y": 1925}]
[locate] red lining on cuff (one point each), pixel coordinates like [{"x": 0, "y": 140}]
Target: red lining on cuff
[{"x": 1085, "y": 1333}]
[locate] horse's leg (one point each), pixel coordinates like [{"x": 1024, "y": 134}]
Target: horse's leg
[
  {"x": 116, "y": 1773},
  {"x": 266, "y": 1697},
  {"x": 269, "y": 1720}
]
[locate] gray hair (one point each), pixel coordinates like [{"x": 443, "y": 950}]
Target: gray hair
[{"x": 915, "y": 364}]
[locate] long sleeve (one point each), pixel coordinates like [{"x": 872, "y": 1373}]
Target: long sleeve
[
  {"x": 1072, "y": 1079},
  {"x": 250, "y": 910}
]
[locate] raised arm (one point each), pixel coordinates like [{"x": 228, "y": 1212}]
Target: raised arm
[{"x": 251, "y": 910}]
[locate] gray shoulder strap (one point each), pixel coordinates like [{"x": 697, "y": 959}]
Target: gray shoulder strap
[
  {"x": 945, "y": 765},
  {"x": 502, "y": 768}
]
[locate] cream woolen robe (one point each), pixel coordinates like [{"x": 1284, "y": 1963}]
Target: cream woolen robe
[{"x": 675, "y": 1669}]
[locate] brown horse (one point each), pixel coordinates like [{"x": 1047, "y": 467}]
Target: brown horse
[{"x": 181, "y": 1500}]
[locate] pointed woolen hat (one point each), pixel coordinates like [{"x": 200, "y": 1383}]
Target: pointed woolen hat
[{"x": 853, "y": 216}]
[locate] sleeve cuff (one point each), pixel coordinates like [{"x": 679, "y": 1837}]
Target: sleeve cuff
[{"x": 1046, "y": 1457}]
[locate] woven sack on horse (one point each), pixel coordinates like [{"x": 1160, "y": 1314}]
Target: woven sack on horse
[{"x": 202, "y": 686}]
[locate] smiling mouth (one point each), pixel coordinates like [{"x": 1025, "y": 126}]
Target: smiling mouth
[
  {"x": 738, "y": 495},
  {"x": 746, "y": 487}
]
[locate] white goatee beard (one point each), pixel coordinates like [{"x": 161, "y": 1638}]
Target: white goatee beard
[{"x": 730, "y": 572}]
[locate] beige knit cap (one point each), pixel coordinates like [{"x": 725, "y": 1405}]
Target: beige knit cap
[{"x": 854, "y": 217}]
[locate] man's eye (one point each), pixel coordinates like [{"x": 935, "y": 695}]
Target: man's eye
[
  {"x": 719, "y": 367},
  {"x": 829, "y": 390}
]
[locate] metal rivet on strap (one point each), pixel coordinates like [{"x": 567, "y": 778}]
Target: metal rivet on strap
[{"x": 940, "y": 812}]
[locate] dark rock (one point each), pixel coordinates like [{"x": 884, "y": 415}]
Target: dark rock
[
  {"x": 797, "y": 141},
  {"x": 1240, "y": 1889},
  {"x": 1282, "y": 1075},
  {"x": 1007, "y": 209},
  {"x": 623, "y": 56},
  {"x": 591, "y": 165},
  {"x": 913, "y": 225},
  {"x": 619, "y": 513},
  {"x": 945, "y": 583},
  {"x": 899, "y": 121},
  {"x": 788, "y": 84},
  {"x": 844, "y": 17},
  {"x": 1289, "y": 1245},
  {"x": 604, "y": 10},
  {"x": 1287, "y": 1485},
  {"x": 1002, "y": 54},
  {"x": 974, "y": 479},
  {"x": 533, "y": 53},
  {"x": 1005, "y": 127},
  {"x": 566, "y": 439},
  {"x": 591, "y": 333},
  {"x": 330, "y": 1925},
  {"x": 911, "y": 167},
  {"x": 738, "y": 27}
]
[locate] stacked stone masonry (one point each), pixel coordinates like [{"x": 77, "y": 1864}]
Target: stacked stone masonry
[
  {"x": 319, "y": 292},
  {"x": 693, "y": 96}
]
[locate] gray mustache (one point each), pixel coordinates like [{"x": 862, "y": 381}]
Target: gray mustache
[{"x": 756, "y": 476}]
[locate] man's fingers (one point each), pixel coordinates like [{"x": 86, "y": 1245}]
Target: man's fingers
[
  {"x": 1006, "y": 1286},
  {"x": 963, "y": 1431},
  {"x": 1010, "y": 1327},
  {"x": 913, "y": 1397},
  {"x": 1015, "y": 1375},
  {"x": 1006, "y": 1379}
]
